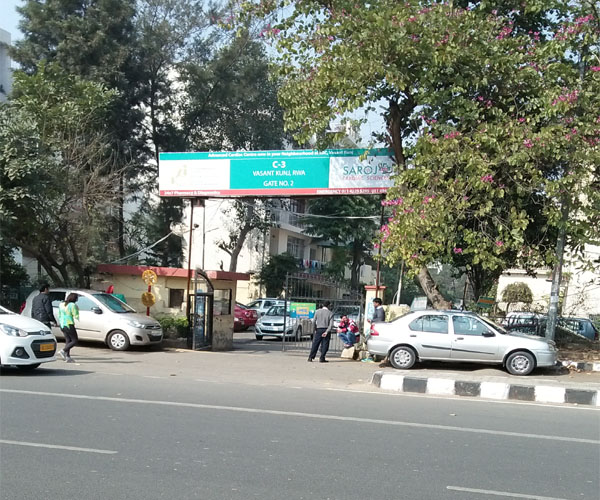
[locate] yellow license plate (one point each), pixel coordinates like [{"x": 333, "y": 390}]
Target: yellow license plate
[{"x": 46, "y": 347}]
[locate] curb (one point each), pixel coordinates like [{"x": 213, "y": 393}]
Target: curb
[
  {"x": 581, "y": 366},
  {"x": 486, "y": 390}
]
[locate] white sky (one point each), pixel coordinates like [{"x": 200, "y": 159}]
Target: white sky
[{"x": 9, "y": 17}]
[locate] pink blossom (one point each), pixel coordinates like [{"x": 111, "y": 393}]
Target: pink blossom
[
  {"x": 521, "y": 120},
  {"x": 499, "y": 243},
  {"x": 527, "y": 143},
  {"x": 595, "y": 68},
  {"x": 457, "y": 250},
  {"x": 414, "y": 256},
  {"x": 487, "y": 178}
]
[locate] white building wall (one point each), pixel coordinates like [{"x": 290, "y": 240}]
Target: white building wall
[
  {"x": 580, "y": 287},
  {"x": 5, "y": 69}
]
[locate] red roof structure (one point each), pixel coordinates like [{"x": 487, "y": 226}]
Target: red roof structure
[{"x": 175, "y": 272}]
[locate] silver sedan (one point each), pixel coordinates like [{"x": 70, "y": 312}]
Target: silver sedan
[{"x": 457, "y": 336}]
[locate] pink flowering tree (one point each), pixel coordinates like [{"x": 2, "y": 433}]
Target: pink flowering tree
[{"x": 466, "y": 96}]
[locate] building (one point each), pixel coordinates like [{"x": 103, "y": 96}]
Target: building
[
  {"x": 212, "y": 223},
  {"x": 5, "y": 65},
  {"x": 580, "y": 287}
]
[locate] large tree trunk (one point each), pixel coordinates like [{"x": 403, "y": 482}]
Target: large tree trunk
[
  {"x": 355, "y": 266},
  {"x": 432, "y": 291}
]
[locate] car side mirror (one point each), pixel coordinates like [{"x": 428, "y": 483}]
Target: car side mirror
[
  {"x": 488, "y": 333},
  {"x": 97, "y": 310}
]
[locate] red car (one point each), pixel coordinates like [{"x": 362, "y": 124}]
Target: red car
[{"x": 243, "y": 318}]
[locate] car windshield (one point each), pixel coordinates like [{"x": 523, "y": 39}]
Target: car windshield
[
  {"x": 114, "y": 304},
  {"x": 495, "y": 326},
  {"x": 276, "y": 311}
]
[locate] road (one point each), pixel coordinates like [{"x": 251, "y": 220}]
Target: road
[{"x": 153, "y": 425}]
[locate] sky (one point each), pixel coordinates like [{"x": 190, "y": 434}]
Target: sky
[
  {"x": 9, "y": 18},
  {"x": 9, "y": 21}
]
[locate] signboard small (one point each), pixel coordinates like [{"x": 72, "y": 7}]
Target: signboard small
[
  {"x": 486, "y": 302},
  {"x": 302, "y": 310},
  {"x": 275, "y": 173}
]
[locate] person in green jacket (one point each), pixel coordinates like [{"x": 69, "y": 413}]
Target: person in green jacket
[{"x": 68, "y": 312}]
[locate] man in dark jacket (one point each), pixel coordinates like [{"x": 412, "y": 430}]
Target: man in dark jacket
[
  {"x": 41, "y": 307},
  {"x": 323, "y": 323}
]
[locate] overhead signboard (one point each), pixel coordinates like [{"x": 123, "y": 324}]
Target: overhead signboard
[{"x": 275, "y": 173}]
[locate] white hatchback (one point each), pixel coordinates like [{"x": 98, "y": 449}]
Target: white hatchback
[{"x": 24, "y": 342}]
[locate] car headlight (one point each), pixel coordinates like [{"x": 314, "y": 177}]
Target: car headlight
[
  {"x": 135, "y": 323},
  {"x": 12, "y": 331}
]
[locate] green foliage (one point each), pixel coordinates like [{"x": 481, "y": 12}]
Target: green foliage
[
  {"x": 517, "y": 292},
  {"x": 273, "y": 273},
  {"x": 56, "y": 169},
  {"x": 174, "y": 326},
  {"x": 341, "y": 219},
  {"x": 493, "y": 125},
  {"x": 12, "y": 274}
]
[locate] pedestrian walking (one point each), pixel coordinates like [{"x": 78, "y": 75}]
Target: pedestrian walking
[
  {"x": 379, "y": 313},
  {"x": 347, "y": 331},
  {"x": 41, "y": 307},
  {"x": 323, "y": 323},
  {"x": 68, "y": 312}
]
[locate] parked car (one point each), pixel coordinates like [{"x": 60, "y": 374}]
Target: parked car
[
  {"x": 104, "y": 318},
  {"x": 24, "y": 342},
  {"x": 243, "y": 318},
  {"x": 580, "y": 326},
  {"x": 263, "y": 305},
  {"x": 458, "y": 336},
  {"x": 272, "y": 324}
]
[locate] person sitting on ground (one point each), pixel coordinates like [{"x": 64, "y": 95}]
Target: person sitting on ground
[{"x": 347, "y": 331}]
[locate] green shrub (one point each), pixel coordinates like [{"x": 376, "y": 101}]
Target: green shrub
[{"x": 174, "y": 326}]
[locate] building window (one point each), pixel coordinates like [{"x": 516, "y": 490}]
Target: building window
[
  {"x": 295, "y": 247},
  {"x": 175, "y": 297},
  {"x": 222, "y": 302}
]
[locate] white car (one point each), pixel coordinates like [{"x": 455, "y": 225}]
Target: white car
[
  {"x": 457, "y": 336},
  {"x": 103, "y": 317},
  {"x": 24, "y": 342},
  {"x": 263, "y": 305},
  {"x": 272, "y": 323}
]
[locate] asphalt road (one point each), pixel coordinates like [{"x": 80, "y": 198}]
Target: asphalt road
[{"x": 125, "y": 426}]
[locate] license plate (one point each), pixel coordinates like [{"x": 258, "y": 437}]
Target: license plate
[{"x": 46, "y": 347}]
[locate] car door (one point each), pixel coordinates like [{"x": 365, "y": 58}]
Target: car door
[
  {"x": 56, "y": 297},
  {"x": 89, "y": 324},
  {"x": 429, "y": 334},
  {"x": 473, "y": 340}
]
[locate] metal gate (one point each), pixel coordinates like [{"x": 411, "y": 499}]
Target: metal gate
[{"x": 304, "y": 293}]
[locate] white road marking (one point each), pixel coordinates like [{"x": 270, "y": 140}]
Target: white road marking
[
  {"x": 58, "y": 447},
  {"x": 501, "y": 493},
  {"x": 308, "y": 415}
]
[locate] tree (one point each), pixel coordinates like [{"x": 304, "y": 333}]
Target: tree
[
  {"x": 95, "y": 40},
  {"x": 273, "y": 273},
  {"x": 516, "y": 292},
  {"x": 232, "y": 105},
  {"x": 342, "y": 220},
  {"x": 57, "y": 172},
  {"x": 456, "y": 83}
]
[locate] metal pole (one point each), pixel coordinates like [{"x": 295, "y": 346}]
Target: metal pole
[
  {"x": 557, "y": 275},
  {"x": 399, "y": 292},
  {"x": 378, "y": 257},
  {"x": 203, "y": 231},
  {"x": 189, "y": 263}
]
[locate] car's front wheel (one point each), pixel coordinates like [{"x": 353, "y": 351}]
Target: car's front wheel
[
  {"x": 118, "y": 340},
  {"x": 403, "y": 357},
  {"x": 520, "y": 363},
  {"x": 258, "y": 337}
]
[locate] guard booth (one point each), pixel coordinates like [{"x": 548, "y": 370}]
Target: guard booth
[{"x": 201, "y": 307}]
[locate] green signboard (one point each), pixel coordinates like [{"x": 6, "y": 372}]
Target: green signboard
[{"x": 275, "y": 173}]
